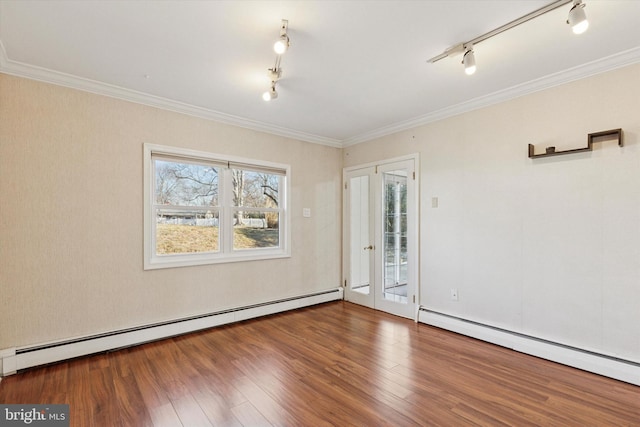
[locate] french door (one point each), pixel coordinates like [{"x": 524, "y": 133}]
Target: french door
[{"x": 381, "y": 235}]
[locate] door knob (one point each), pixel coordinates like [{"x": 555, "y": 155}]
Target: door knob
[{"x": 370, "y": 247}]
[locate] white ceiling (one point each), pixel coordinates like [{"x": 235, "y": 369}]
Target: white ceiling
[{"x": 355, "y": 70}]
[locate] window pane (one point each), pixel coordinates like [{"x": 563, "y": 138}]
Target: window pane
[
  {"x": 255, "y": 189},
  {"x": 253, "y": 230},
  {"x": 202, "y": 208},
  {"x": 185, "y": 184},
  {"x": 359, "y": 234},
  {"x": 395, "y": 236},
  {"x": 183, "y": 232}
]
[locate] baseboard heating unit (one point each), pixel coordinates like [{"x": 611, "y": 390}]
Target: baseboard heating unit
[
  {"x": 13, "y": 360},
  {"x": 601, "y": 364}
]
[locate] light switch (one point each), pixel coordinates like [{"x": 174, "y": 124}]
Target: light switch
[
  {"x": 434, "y": 202},
  {"x": 306, "y": 212}
]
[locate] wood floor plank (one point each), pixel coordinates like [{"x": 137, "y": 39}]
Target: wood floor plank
[
  {"x": 213, "y": 403},
  {"x": 278, "y": 385},
  {"x": 248, "y": 415},
  {"x": 57, "y": 382},
  {"x": 190, "y": 412},
  {"x": 264, "y": 403},
  {"x": 331, "y": 364},
  {"x": 148, "y": 383},
  {"x": 130, "y": 408},
  {"x": 165, "y": 416}
]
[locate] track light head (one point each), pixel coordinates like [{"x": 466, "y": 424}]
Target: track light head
[
  {"x": 271, "y": 93},
  {"x": 577, "y": 18},
  {"x": 282, "y": 44},
  {"x": 469, "y": 60}
]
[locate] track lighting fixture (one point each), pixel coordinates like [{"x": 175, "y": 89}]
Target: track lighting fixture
[
  {"x": 271, "y": 93},
  {"x": 274, "y": 74},
  {"x": 577, "y": 19},
  {"x": 469, "y": 60},
  {"x": 282, "y": 44}
]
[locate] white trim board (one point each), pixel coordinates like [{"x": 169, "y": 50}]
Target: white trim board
[
  {"x": 619, "y": 369},
  {"x": 32, "y": 72},
  {"x": 20, "y": 69},
  {"x": 15, "y": 359},
  {"x": 609, "y": 63}
]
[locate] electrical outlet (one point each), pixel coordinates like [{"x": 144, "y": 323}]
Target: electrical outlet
[{"x": 454, "y": 294}]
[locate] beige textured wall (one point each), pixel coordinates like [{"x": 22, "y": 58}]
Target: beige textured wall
[
  {"x": 71, "y": 216},
  {"x": 547, "y": 247}
]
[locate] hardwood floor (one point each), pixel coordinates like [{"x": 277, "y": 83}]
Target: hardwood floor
[{"x": 332, "y": 364}]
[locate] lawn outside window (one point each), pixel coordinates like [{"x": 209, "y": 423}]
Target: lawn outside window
[{"x": 205, "y": 208}]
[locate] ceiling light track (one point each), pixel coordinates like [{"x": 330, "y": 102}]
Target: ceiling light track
[
  {"x": 280, "y": 47},
  {"x": 577, "y": 19}
]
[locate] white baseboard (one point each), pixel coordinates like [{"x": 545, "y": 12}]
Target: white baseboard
[
  {"x": 608, "y": 366},
  {"x": 15, "y": 359}
]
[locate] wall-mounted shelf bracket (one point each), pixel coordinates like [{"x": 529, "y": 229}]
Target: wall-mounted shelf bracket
[{"x": 550, "y": 151}]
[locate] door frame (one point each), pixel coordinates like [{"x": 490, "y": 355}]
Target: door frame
[{"x": 414, "y": 244}]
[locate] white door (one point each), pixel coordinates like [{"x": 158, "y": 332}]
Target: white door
[{"x": 381, "y": 235}]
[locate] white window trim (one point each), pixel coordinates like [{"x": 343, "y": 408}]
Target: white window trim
[{"x": 153, "y": 261}]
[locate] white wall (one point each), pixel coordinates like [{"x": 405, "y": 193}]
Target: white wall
[
  {"x": 547, "y": 247},
  {"x": 71, "y": 249}
]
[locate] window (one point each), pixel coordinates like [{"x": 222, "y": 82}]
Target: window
[{"x": 203, "y": 208}]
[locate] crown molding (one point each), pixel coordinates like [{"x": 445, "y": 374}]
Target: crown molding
[
  {"x": 45, "y": 75},
  {"x": 609, "y": 63}
]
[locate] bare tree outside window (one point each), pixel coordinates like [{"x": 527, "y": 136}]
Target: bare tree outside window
[
  {"x": 257, "y": 206},
  {"x": 202, "y": 208},
  {"x": 187, "y": 217},
  {"x": 186, "y": 184},
  {"x": 182, "y": 185}
]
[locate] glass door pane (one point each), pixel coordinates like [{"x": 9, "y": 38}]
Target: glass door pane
[
  {"x": 380, "y": 236},
  {"x": 359, "y": 234},
  {"x": 394, "y": 286}
]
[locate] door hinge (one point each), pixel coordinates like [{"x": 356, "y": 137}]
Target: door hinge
[
  {"x": 414, "y": 175},
  {"x": 345, "y": 283},
  {"x": 414, "y": 299},
  {"x": 345, "y": 185}
]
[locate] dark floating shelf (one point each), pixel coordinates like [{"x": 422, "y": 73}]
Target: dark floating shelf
[{"x": 550, "y": 151}]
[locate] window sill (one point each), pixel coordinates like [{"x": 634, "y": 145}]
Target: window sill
[{"x": 175, "y": 261}]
